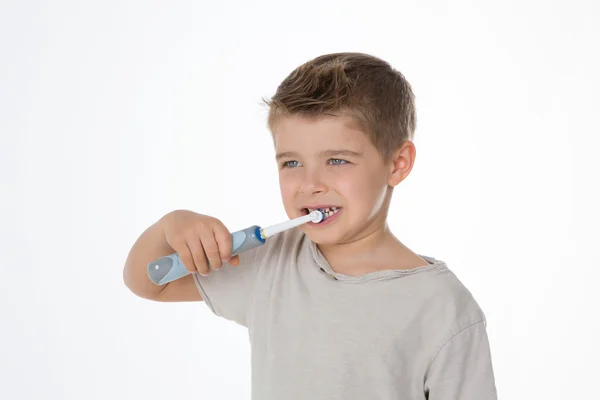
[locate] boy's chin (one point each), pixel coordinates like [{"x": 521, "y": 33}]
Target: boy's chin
[{"x": 321, "y": 238}]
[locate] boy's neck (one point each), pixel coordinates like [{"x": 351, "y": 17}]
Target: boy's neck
[{"x": 376, "y": 250}]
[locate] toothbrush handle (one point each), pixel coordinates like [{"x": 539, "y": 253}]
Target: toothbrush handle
[{"x": 169, "y": 268}]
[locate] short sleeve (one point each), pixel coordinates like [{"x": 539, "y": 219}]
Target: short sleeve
[
  {"x": 462, "y": 370},
  {"x": 227, "y": 291}
]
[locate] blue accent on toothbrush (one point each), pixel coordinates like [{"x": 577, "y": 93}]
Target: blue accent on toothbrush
[{"x": 259, "y": 235}]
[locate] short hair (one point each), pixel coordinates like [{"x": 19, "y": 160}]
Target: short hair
[{"x": 357, "y": 85}]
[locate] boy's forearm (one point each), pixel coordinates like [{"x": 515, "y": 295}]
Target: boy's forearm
[{"x": 149, "y": 246}]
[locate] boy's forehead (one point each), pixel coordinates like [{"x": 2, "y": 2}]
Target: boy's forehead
[{"x": 296, "y": 133}]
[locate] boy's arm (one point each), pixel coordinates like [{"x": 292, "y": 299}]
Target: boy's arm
[
  {"x": 462, "y": 370},
  {"x": 149, "y": 246}
]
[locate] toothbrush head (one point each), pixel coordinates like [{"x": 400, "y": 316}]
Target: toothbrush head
[{"x": 317, "y": 216}]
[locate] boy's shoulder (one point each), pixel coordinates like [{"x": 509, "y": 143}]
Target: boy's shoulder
[
  {"x": 448, "y": 300},
  {"x": 284, "y": 242}
]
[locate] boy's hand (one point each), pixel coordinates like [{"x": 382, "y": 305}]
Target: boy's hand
[{"x": 201, "y": 241}]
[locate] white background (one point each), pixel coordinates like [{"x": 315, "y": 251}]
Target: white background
[{"x": 115, "y": 113}]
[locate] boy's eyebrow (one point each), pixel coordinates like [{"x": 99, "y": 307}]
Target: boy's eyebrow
[
  {"x": 329, "y": 153},
  {"x": 332, "y": 153}
]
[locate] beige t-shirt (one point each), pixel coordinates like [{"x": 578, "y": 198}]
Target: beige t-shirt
[{"x": 317, "y": 334}]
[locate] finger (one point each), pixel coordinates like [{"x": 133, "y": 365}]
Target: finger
[
  {"x": 224, "y": 241},
  {"x": 211, "y": 248},
  {"x": 186, "y": 257},
  {"x": 197, "y": 251},
  {"x": 235, "y": 261}
]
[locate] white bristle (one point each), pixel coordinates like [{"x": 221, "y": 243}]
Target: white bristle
[{"x": 317, "y": 216}]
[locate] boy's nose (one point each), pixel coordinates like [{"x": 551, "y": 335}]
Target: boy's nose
[
  {"x": 315, "y": 189},
  {"x": 312, "y": 184}
]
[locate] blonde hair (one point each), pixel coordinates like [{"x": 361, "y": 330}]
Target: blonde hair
[{"x": 358, "y": 85}]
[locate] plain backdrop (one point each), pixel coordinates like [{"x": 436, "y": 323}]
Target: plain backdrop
[{"x": 114, "y": 113}]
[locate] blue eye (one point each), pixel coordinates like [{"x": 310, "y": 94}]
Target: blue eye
[
  {"x": 337, "y": 161},
  {"x": 290, "y": 164}
]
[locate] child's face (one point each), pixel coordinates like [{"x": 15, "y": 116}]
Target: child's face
[{"x": 329, "y": 163}]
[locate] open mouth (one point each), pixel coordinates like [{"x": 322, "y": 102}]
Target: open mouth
[{"x": 329, "y": 211}]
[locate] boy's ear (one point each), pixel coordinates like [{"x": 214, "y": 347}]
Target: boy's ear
[{"x": 401, "y": 163}]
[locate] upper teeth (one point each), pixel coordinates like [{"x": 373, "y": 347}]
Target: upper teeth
[{"x": 329, "y": 211}]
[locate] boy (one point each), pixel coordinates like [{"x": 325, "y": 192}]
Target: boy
[{"x": 341, "y": 309}]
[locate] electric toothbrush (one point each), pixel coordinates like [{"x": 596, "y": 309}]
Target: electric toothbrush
[{"x": 169, "y": 268}]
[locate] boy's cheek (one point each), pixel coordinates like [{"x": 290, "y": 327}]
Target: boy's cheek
[{"x": 288, "y": 197}]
